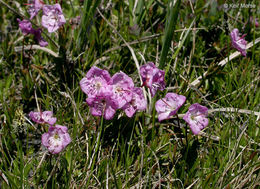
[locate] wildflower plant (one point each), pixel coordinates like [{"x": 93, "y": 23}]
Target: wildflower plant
[
  {"x": 26, "y": 28},
  {"x": 106, "y": 94},
  {"x": 117, "y": 126}
]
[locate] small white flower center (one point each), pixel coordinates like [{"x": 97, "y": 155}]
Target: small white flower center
[
  {"x": 55, "y": 140},
  {"x": 118, "y": 89},
  {"x": 46, "y": 117},
  {"x": 38, "y": 116},
  {"x": 98, "y": 85},
  {"x": 192, "y": 117}
]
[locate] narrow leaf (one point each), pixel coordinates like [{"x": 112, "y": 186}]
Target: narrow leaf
[{"x": 170, "y": 27}]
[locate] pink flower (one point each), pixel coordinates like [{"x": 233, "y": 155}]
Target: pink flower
[
  {"x": 238, "y": 42},
  {"x": 196, "y": 117},
  {"x": 102, "y": 105},
  {"x": 52, "y": 17},
  {"x": 138, "y": 102},
  {"x": 43, "y": 117},
  {"x": 25, "y": 26},
  {"x": 158, "y": 82},
  {"x": 152, "y": 77},
  {"x": 39, "y": 38},
  {"x": 96, "y": 82},
  {"x": 122, "y": 86},
  {"x": 56, "y": 139},
  {"x": 169, "y": 105},
  {"x": 35, "y": 8}
]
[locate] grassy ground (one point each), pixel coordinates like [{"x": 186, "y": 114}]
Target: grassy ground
[{"x": 186, "y": 40}]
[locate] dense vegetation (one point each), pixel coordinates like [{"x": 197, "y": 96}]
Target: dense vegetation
[{"x": 187, "y": 39}]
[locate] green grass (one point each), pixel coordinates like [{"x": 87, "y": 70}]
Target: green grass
[{"x": 139, "y": 152}]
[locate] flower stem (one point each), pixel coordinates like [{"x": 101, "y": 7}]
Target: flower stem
[
  {"x": 186, "y": 136},
  {"x": 178, "y": 120},
  {"x": 96, "y": 149}
]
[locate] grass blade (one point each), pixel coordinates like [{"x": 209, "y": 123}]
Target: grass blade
[
  {"x": 86, "y": 22},
  {"x": 170, "y": 27},
  {"x": 180, "y": 46}
]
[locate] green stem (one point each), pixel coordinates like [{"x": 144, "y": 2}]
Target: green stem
[
  {"x": 178, "y": 120},
  {"x": 96, "y": 149}
]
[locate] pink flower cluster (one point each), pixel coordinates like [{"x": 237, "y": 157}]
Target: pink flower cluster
[
  {"x": 57, "y": 137},
  {"x": 106, "y": 94},
  {"x": 52, "y": 19}
]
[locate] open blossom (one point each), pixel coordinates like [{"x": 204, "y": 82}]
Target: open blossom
[
  {"x": 56, "y": 139},
  {"x": 43, "y": 117},
  {"x": 138, "y": 102},
  {"x": 96, "y": 82},
  {"x": 238, "y": 42},
  {"x": 196, "y": 117},
  {"x": 122, "y": 86},
  {"x": 35, "y": 8},
  {"x": 103, "y": 105},
  {"x": 52, "y": 17},
  {"x": 169, "y": 105},
  {"x": 152, "y": 77},
  {"x": 25, "y": 26}
]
